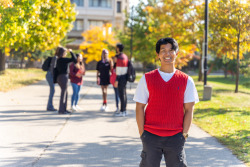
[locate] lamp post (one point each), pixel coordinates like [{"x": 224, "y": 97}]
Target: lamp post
[
  {"x": 131, "y": 37},
  {"x": 206, "y": 44},
  {"x": 207, "y": 92}
]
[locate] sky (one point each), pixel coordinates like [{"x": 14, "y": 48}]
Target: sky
[{"x": 133, "y": 2}]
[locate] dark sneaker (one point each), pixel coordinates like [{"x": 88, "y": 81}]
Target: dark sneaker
[{"x": 53, "y": 109}]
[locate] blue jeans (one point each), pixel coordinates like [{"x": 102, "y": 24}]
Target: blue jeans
[
  {"x": 49, "y": 79},
  {"x": 76, "y": 93},
  {"x": 116, "y": 97}
]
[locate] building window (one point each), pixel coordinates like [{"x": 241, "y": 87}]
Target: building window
[
  {"x": 100, "y": 3},
  {"x": 119, "y": 6},
  {"x": 77, "y": 2},
  {"x": 95, "y": 23},
  {"x": 78, "y": 25}
]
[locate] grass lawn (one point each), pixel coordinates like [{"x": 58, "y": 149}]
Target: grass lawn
[
  {"x": 15, "y": 78},
  {"x": 227, "y": 115}
]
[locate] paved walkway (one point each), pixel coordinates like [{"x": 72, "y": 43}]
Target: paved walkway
[{"x": 31, "y": 136}]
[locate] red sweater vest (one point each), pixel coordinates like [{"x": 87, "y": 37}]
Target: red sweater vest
[{"x": 165, "y": 113}]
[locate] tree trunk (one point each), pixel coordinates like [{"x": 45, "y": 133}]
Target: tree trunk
[
  {"x": 238, "y": 64},
  {"x": 200, "y": 69},
  {"x": 2, "y": 61},
  {"x": 22, "y": 59},
  {"x": 225, "y": 70}
]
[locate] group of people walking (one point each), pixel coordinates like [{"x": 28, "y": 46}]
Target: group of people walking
[{"x": 61, "y": 69}]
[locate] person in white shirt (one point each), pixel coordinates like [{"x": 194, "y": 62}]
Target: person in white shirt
[{"x": 169, "y": 95}]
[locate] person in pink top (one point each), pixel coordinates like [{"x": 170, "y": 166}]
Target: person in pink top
[{"x": 77, "y": 70}]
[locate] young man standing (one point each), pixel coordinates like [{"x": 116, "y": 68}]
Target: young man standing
[
  {"x": 170, "y": 96},
  {"x": 121, "y": 79}
]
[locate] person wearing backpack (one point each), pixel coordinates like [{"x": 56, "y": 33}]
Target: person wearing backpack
[
  {"x": 170, "y": 96},
  {"x": 121, "y": 79},
  {"x": 49, "y": 66}
]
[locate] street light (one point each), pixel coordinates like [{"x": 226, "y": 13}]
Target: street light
[
  {"x": 206, "y": 44},
  {"x": 131, "y": 37},
  {"x": 207, "y": 92}
]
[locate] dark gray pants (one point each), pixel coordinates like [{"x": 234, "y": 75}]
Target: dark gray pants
[
  {"x": 122, "y": 82},
  {"x": 62, "y": 81},
  {"x": 172, "y": 147}
]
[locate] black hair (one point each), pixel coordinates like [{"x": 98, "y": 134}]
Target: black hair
[
  {"x": 120, "y": 46},
  {"x": 61, "y": 52},
  {"x": 57, "y": 49},
  {"x": 164, "y": 41}
]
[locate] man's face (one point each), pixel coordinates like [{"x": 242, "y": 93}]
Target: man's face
[{"x": 166, "y": 54}]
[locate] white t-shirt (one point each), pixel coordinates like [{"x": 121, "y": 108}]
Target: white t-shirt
[{"x": 142, "y": 94}]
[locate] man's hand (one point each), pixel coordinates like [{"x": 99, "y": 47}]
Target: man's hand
[
  {"x": 140, "y": 116},
  {"x": 116, "y": 84},
  {"x": 188, "y": 117}
]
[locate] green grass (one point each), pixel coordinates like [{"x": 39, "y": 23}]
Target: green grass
[
  {"x": 227, "y": 115},
  {"x": 15, "y": 78}
]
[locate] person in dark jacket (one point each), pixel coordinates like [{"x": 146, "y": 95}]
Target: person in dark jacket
[
  {"x": 121, "y": 79},
  {"x": 77, "y": 70},
  {"x": 62, "y": 70},
  {"x": 49, "y": 78}
]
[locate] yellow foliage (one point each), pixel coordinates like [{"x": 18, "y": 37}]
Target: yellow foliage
[
  {"x": 7, "y": 51},
  {"x": 97, "y": 39},
  {"x": 6, "y": 3},
  {"x": 29, "y": 54}
]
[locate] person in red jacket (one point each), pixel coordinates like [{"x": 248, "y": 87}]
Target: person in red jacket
[
  {"x": 77, "y": 70},
  {"x": 170, "y": 96}
]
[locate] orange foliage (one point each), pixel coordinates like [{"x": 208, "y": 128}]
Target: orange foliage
[{"x": 96, "y": 39}]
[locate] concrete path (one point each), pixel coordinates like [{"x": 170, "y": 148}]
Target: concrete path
[{"x": 31, "y": 136}]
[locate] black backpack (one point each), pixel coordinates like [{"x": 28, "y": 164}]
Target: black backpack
[
  {"x": 131, "y": 72},
  {"x": 46, "y": 64}
]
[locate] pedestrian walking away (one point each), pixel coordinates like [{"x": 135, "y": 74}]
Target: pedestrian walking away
[
  {"x": 103, "y": 75},
  {"x": 121, "y": 79},
  {"x": 51, "y": 64},
  {"x": 164, "y": 124},
  {"x": 77, "y": 70},
  {"x": 62, "y": 73}
]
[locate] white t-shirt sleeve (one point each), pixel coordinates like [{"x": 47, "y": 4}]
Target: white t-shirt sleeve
[
  {"x": 141, "y": 93},
  {"x": 191, "y": 94}
]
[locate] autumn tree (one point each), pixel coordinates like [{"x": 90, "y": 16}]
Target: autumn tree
[
  {"x": 34, "y": 25},
  {"x": 230, "y": 27},
  {"x": 96, "y": 39},
  {"x": 170, "y": 18},
  {"x": 159, "y": 19},
  {"x": 137, "y": 24}
]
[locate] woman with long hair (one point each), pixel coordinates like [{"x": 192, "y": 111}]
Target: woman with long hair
[
  {"x": 49, "y": 78},
  {"x": 62, "y": 70},
  {"x": 103, "y": 74},
  {"x": 77, "y": 70}
]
